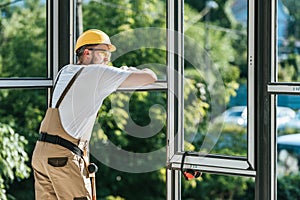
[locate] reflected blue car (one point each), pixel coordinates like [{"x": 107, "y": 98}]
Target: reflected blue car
[
  {"x": 293, "y": 123},
  {"x": 237, "y": 115}
]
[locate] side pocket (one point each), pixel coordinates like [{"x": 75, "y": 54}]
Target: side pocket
[{"x": 58, "y": 162}]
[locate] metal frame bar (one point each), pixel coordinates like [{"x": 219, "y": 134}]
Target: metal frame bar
[
  {"x": 265, "y": 182},
  {"x": 175, "y": 85},
  {"x": 275, "y": 88},
  {"x": 237, "y": 166},
  {"x": 54, "y": 41},
  {"x": 171, "y": 81},
  {"x": 65, "y": 29},
  {"x": 180, "y": 71},
  {"x": 284, "y": 88},
  {"x": 173, "y": 185},
  {"x": 251, "y": 84},
  {"x": 159, "y": 85},
  {"x": 49, "y": 36},
  {"x": 25, "y": 83},
  {"x": 72, "y": 30},
  {"x": 273, "y": 131},
  {"x": 273, "y": 149}
]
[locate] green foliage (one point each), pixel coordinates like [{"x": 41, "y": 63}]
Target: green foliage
[
  {"x": 113, "y": 118},
  {"x": 123, "y": 15},
  {"x": 289, "y": 59},
  {"x": 221, "y": 55},
  {"x": 24, "y": 115},
  {"x": 288, "y": 187},
  {"x": 289, "y": 69},
  {"x": 212, "y": 186},
  {"x": 114, "y": 198},
  {"x": 232, "y": 141},
  {"x": 227, "y": 52},
  {"x": 23, "y": 54},
  {"x": 13, "y": 158},
  {"x": 23, "y": 41}
]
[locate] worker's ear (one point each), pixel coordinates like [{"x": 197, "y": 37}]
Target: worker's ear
[{"x": 86, "y": 52}]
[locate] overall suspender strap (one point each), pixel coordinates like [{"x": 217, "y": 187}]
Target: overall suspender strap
[
  {"x": 52, "y": 90},
  {"x": 66, "y": 89}
]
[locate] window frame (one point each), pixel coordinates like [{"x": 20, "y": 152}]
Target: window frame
[
  {"x": 243, "y": 166},
  {"x": 34, "y": 82}
]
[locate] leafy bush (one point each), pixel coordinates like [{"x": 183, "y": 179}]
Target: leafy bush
[
  {"x": 12, "y": 158},
  {"x": 288, "y": 187}
]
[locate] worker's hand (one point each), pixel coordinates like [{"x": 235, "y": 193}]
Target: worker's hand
[
  {"x": 129, "y": 68},
  {"x": 133, "y": 69},
  {"x": 124, "y": 67}
]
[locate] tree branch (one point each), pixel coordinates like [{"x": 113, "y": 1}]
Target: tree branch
[{"x": 3, "y": 5}]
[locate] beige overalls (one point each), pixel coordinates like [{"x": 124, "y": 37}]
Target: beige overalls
[{"x": 59, "y": 173}]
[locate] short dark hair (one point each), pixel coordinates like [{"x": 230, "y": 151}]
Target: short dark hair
[{"x": 81, "y": 49}]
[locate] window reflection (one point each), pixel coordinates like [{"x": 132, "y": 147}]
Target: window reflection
[
  {"x": 23, "y": 39},
  {"x": 216, "y": 77},
  {"x": 288, "y": 40},
  {"x": 288, "y": 145}
]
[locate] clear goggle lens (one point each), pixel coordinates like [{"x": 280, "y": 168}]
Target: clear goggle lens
[{"x": 102, "y": 52}]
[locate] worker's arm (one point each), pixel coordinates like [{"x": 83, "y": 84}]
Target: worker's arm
[{"x": 138, "y": 77}]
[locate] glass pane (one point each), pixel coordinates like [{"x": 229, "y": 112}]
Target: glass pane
[
  {"x": 129, "y": 145},
  {"x": 288, "y": 20},
  {"x": 216, "y": 77},
  {"x": 21, "y": 112},
  {"x": 212, "y": 186},
  {"x": 137, "y": 28},
  {"x": 23, "y": 46},
  {"x": 288, "y": 146}
]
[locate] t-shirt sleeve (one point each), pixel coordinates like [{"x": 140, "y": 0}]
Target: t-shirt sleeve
[{"x": 111, "y": 78}]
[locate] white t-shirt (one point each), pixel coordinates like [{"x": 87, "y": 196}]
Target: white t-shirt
[{"x": 78, "y": 109}]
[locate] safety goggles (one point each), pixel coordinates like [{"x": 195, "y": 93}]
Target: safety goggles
[{"x": 103, "y": 52}]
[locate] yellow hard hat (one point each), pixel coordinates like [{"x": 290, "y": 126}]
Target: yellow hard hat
[{"x": 94, "y": 36}]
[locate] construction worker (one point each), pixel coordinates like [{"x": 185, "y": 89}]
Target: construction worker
[{"x": 59, "y": 158}]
